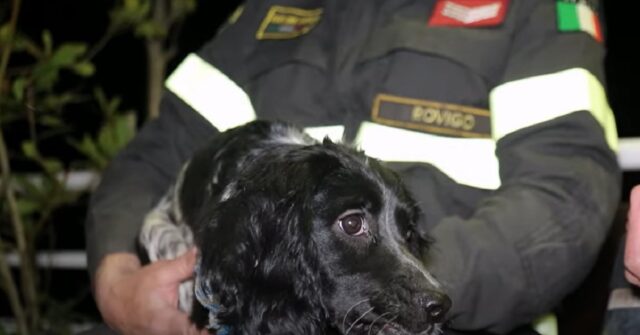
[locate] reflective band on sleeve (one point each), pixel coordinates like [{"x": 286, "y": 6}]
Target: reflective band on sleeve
[
  {"x": 546, "y": 325},
  {"x": 211, "y": 93},
  {"x": 319, "y": 133},
  {"x": 518, "y": 104},
  {"x": 629, "y": 154},
  {"x": 469, "y": 161}
]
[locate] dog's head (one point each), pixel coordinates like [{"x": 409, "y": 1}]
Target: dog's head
[{"x": 309, "y": 236}]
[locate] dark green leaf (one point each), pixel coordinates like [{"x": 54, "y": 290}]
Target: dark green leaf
[
  {"x": 101, "y": 98},
  {"x": 55, "y": 102},
  {"x": 84, "y": 69},
  {"x": 67, "y": 54},
  {"x": 130, "y": 13},
  {"x": 18, "y": 88},
  {"x": 5, "y": 34},
  {"x": 89, "y": 149},
  {"x": 27, "y": 207},
  {"x": 107, "y": 141},
  {"x": 46, "y": 72},
  {"x": 124, "y": 129},
  {"x": 45, "y": 75},
  {"x": 133, "y": 6},
  {"x": 52, "y": 165},
  {"x": 50, "y": 121},
  {"x": 112, "y": 107},
  {"x": 108, "y": 107},
  {"x": 21, "y": 42},
  {"x": 30, "y": 150},
  {"x": 47, "y": 42},
  {"x": 180, "y": 8},
  {"x": 150, "y": 29},
  {"x": 116, "y": 134}
]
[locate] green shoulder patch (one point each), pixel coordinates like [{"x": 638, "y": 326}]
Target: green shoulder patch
[{"x": 578, "y": 15}]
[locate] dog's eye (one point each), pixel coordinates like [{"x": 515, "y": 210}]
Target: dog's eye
[{"x": 353, "y": 224}]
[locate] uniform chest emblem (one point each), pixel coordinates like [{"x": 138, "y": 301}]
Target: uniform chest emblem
[
  {"x": 468, "y": 13},
  {"x": 287, "y": 22}
]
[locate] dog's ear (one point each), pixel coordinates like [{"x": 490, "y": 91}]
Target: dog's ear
[{"x": 258, "y": 257}]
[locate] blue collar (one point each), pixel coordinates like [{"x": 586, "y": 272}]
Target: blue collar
[{"x": 207, "y": 298}]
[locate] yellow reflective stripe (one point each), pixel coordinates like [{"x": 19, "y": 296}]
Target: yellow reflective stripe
[
  {"x": 211, "y": 93},
  {"x": 518, "y": 104},
  {"x": 319, "y": 133},
  {"x": 546, "y": 325},
  {"x": 469, "y": 161}
]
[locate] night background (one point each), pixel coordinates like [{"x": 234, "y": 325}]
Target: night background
[{"x": 120, "y": 69}]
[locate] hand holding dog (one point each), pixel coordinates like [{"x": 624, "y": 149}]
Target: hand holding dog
[
  {"x": 632, "y": 251},
  {"x": 135, "y": 299}
]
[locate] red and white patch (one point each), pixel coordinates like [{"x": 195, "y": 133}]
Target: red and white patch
[{"x": 468, "y": 13}]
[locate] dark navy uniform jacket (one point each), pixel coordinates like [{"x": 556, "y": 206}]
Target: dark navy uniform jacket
[{"x": 493, "y": 111}]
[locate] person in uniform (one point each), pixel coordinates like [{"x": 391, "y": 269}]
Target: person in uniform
[{"x": 492, "y": 111}]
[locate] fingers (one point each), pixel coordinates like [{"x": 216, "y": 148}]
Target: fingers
[
  {"x": 632, "y": 278},
  {"x": 195, "y": 331},
  {"x": 179, "y": 323},
  {"x": 143, "y": 300},
  {"x": 632, "y": 249},
  {"x": 177, "y": 270}
]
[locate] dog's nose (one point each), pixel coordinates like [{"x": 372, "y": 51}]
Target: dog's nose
[{"x": 435, "y": 305}]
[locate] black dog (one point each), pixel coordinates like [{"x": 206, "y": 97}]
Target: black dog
[{"x": 296, "y": 237}]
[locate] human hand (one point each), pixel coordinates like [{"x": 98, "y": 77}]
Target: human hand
[
  {"x": 136, "y": 299},
  {"x": 632, "y": 249}
]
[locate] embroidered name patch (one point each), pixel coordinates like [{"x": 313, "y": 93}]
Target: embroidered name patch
[
  {"x": 431, "y": 117},
  {"x": 578, "y": 15},
  {"x": 468, "y": 13},
  {"x": 287, "y": 22}
]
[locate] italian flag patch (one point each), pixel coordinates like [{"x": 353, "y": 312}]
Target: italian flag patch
[{"x": 578, "y": 16}]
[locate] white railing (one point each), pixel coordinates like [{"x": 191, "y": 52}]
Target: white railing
[
  {"x": 629, "y": 153},
  {"x": 67, "y": 259},
  {"x": 9, "y": 326},
  {"x": 628, "y": 156}
]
